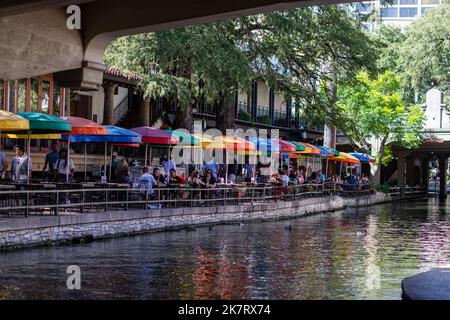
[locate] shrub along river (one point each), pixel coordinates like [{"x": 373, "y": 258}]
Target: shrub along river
[{"x": 352, "y": 254}]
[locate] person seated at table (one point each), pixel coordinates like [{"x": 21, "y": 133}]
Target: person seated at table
[
  {"x": 352, "y": 181},
  {"x": 21, "y": 166},
  {"x": 276, "y": 178},
  {"x": 50, "y": 161},
  {"x": 300, "y": 176},
  {"x": 364, "y": 179},
  {"x": 122, "y": 173},
  {"x": 174, "y": 179},
  {"x": 313, "y": 177},
  {"x": 284, "y": 178},
  {"x": 63, "y": 168},
  {"x": 168, "y": 165},
  {"x": 160, "y": 180},
  {"x": 147, "y": 182},
  {"x": 320, "y": 176},
  {"x": 208, "y": 180},
  {"x": 211, "y": 165},
  {"x": 194, "y": 180}
]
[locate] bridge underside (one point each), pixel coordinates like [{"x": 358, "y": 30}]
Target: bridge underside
[{"x": 34, "y": 39}]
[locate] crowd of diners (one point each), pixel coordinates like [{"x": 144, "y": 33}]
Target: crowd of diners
[{"x": 57, "y": 166}]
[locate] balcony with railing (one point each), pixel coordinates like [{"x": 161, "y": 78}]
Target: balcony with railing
[
  {"x": 263, "y": 115},
  {"x": 280, "y": 118},
  {"x": 244, "y": 112}
]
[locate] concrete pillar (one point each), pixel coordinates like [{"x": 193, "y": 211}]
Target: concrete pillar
[
  {"x": 108, "y": 109},
  {"x": 410, "y": 174},
  {"x": 145, "y": 112},
  {"x": 329, "y": 137},
  {"x": 443, "y": 165},
  {"x": 425, "y": 172},
  {"x": 401, "y": 172},
  {"x": 67, "y": 102}
]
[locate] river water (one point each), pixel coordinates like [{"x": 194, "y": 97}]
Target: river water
[{"x": 353, "y": 254}]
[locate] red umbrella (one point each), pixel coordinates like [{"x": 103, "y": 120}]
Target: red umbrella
[
  {"x": 85, "y": 126},
  {"x": 284, "y": 146},
  {"x": 156, "y": 136}
]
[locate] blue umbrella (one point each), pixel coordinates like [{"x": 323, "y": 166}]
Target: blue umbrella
[
  {"x": 114, "y": 135},
  {"x": 362, "y": 157}
]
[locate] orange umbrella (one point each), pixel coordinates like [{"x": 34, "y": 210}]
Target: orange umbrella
[
  {"x": 346, "y": 158},
  {"x": 235, "y": 143}
]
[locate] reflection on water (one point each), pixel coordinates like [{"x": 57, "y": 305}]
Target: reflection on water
[{"x": 354, "y": 254}]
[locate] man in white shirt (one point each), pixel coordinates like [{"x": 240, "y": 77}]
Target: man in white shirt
[{"x": 21, "y": 166}]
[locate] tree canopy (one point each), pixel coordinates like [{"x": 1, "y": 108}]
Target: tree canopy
[
  {"x": 297, "y": 52},
  {"x": 373, "y": 109},
  {"x": 421, "y": 55}
]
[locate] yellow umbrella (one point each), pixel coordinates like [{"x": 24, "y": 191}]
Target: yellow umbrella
[
  {"x": 12, "y": 122},
  {"x": 32, "y": 136}
]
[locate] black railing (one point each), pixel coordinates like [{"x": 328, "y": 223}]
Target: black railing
[
  {"x": 263, "y": 115},
  {"x": 117, "y": 197}
]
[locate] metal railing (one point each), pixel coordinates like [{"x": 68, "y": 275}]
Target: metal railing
[
  {"x": 396, "y": 191},
  {"x": 121, "y": 109},
  {"x": 84, "y": 200}
]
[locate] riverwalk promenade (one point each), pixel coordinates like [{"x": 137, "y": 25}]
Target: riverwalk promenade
[{"x": 119, "y": 214}]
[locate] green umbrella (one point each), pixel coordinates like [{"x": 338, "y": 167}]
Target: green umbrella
[
  {"x": 298, "y": 145},
  {"x": 42, "y": 123},
  {"x": 334, "y": 151},
  {"x": 185, "y": 138}
]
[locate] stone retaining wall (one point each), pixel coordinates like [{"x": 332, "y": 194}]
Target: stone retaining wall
[{"x": 22, "y": 232}]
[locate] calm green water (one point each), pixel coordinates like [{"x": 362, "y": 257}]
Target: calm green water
[{"x": 354, "y": 254}]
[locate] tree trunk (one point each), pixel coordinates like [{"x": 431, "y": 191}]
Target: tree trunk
[
  {"x": 225, "y": 112},
  {"x": 377, "y": 175},
  {"x": 183, "y": 117}
]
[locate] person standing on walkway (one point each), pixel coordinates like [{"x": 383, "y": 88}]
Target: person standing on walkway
[
  {"x": 63, "y": 167},
  {"x": 21, "y": 166},
  {"x": 50, "y": 161},
  {"x": 3, "y": 165}
]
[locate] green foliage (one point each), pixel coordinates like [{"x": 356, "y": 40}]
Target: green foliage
[
  {"x": 373, "y": 109},
  {"x": 420, "y": 56},
  {"x": 245, "y": 116},
  {"x": 382, "y": 188}
]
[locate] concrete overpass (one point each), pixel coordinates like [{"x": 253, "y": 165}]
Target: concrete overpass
[{"x": 34, "y": 38}]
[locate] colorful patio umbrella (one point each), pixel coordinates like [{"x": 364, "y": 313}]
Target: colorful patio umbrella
[
  {"x": 12, "y": 122},
  {"x": 81, "y": 126},
  {"x": 266, "y": 146},
  {"x": 309, "y": 149},
  {"x": 300, "y": 147},
  {"x": 346, "y": 158},
  {"x": 363, "y": 157},
  {"x": 185, "y": 138},
  {"x": 41, "y": 126},
  {"x": 114, "y": 135},
  {"x": 285, "y": 146},
  {"x": 155, "y": 136}
]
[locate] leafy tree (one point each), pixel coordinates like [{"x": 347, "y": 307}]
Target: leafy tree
[
  {"x": 174, "y": 62},
  {"x": 307, "y": 52},
  {"x": 420, "y": 56},
  {"x": 373, "y": 109},
  {"x": 302, "y": 53}
]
